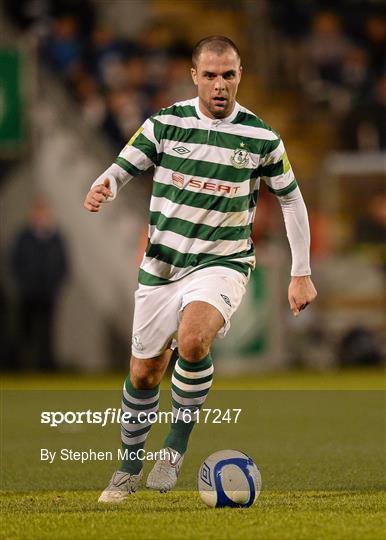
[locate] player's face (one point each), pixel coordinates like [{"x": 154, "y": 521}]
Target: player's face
[{"x": 217, "y": 78}]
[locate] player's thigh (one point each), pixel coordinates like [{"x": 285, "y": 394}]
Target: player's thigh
[
  {"x": 201, "y": 320},
  {"x": 210, "y": 298}
]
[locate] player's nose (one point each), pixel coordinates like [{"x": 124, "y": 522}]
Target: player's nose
[{"x": 219, "y": 83}]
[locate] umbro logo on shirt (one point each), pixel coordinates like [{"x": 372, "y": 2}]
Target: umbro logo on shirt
[{"x": 181, "y": 150}]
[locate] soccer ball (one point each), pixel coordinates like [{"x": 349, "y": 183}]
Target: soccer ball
[{"x": 229, "y": 478}]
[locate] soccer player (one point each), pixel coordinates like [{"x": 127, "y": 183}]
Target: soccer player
[{"x": 209, "y": 155}]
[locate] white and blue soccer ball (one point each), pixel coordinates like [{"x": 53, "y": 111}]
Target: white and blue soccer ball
[{"x": 229, "y": 478}]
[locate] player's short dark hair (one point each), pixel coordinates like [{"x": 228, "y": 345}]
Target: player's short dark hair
[{"x": 216, "y": 44}]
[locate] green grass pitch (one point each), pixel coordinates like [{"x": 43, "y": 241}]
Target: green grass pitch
[
  {"x": 180, "y": 515},
  {"x": 334, "y": 512}
]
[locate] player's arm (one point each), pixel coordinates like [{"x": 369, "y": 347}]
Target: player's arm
[
  {"x": 278, "y": 175},
  {"x": 140, "y": 153},
  {"x": 301, "y": 290}
]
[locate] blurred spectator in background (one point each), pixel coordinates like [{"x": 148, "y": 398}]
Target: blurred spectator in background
[
  {"x": 324, "y": 49},
  {"x": 26, "y": 13},
  {"x": 124, "y": 115},
  {"x": 371, "y": 225},
  {"x": 102, "y": 53},
  {"x": 63, "y": 46},
  {"x": 375, "y": 40},
  {"x": 39, "y": 266},
  {"x": 356, "y": 78},
  {"x": 7, "y": 352},
  {"x": 359, "y": 347},
  {"x": 91, "y": 101},
  {"x": 364, "y": 128}
]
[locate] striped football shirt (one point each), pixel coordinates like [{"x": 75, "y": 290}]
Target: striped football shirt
[{"x": 206, "y": 182}]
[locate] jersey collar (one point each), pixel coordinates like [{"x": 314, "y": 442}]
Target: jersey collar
[{"x": 215, "y": 121}]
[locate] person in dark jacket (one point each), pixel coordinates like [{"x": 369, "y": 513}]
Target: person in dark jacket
[{"x": 39, "y": 266}]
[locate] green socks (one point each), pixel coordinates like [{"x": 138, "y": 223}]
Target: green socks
[
  {"x": 133, "y": 433},
  {"x": 190, "y": 386}
]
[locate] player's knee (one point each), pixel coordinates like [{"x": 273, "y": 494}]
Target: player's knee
[
  {"x": 141, "y": 378},
  {"x": 193, "y": 347}
]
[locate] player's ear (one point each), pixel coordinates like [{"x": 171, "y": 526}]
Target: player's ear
[
  {"x": 240, "y": 72},
  {"x": 193, "y": 73}
]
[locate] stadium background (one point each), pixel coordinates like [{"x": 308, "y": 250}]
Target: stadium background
[{"x": 82, "y": 76}]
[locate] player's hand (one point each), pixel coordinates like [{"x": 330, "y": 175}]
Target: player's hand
[
  {"x": 98, "y": 195},
  {"x": 301, "y": 292}
]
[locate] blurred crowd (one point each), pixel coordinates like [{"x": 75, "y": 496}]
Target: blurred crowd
[
  {"x": 339, "y": 60},
  {"x": 333, "y": 51},
  {"x": 118, "y": 82}
]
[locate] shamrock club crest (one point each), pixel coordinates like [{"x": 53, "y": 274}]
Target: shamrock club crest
[{"x": 240, "y": 157}]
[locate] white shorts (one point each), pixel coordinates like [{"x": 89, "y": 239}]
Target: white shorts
[{"x": 158, "y": 310}]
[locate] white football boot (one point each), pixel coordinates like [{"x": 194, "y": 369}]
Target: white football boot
[
  {"x": 120, "y": 486},
  {"x": 164, "y": 474}
]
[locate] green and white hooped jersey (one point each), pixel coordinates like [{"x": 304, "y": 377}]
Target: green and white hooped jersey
[{"x": 205, "y": 188}]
